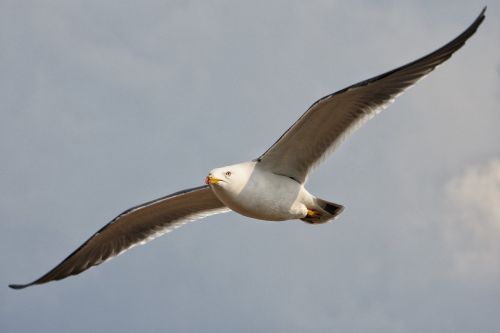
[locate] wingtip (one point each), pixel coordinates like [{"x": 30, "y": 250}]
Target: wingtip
[
  {"x": 19, "y": 286},
  {"x": 482, "y": 15}
]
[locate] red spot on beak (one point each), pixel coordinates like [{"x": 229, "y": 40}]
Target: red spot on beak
[{"x": 207, "y": 180}]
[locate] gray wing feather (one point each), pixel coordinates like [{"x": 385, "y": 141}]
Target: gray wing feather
[
  {"x": 332, "y": 118},
  {"x": 135, "y": 226}
]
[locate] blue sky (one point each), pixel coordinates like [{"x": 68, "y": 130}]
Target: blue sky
[{"x": 109, "y": 104}]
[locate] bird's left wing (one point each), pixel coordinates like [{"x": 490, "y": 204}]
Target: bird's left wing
[
  {"x": 135, "y": 226},
  {"x": 329, "y": 120}
]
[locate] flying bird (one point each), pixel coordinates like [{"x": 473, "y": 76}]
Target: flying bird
[{"x": 270, "y": 187}]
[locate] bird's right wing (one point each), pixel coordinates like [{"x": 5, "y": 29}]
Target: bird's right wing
[{"x": 135, "y": 226}]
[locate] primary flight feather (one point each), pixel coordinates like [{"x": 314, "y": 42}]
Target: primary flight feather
[{"x": 270, "y": 187}]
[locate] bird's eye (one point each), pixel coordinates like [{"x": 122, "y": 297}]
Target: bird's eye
[{"x": 228, "y": 173}]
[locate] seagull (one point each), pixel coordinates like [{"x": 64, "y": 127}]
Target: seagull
[{"x": 270, "y": 187}]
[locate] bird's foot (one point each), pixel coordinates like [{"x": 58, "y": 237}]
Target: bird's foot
[{"x": 312, "y": 216}]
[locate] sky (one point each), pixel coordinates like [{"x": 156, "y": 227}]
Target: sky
[{"x": 108, "y": 104}]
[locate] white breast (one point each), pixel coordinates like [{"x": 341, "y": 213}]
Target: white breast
[{"x": 264, "y": 195}]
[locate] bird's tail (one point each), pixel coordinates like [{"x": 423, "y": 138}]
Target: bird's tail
[{"x": 324, "y": 211}]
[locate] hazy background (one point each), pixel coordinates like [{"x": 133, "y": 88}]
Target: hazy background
[{"x": 107, "y": 104}]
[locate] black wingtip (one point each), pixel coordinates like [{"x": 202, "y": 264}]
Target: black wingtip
[
  {"x": 19, "y": 286},
  {"x": 481, "y": 15}
]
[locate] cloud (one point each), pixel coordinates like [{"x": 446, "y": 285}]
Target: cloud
[{"x": 473, "y": 221}]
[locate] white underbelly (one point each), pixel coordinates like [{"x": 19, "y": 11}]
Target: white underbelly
[{"x": 275, "y": 198}]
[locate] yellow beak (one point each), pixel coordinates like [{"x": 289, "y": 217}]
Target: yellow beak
[{"x": 211, "y": 180}]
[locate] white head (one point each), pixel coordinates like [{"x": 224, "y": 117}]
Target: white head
[{"x": 231, "y": 178}]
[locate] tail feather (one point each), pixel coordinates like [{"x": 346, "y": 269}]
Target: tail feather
[
  {"x": 333, "y": 208},
  {"x": 327, "y": 211}
]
